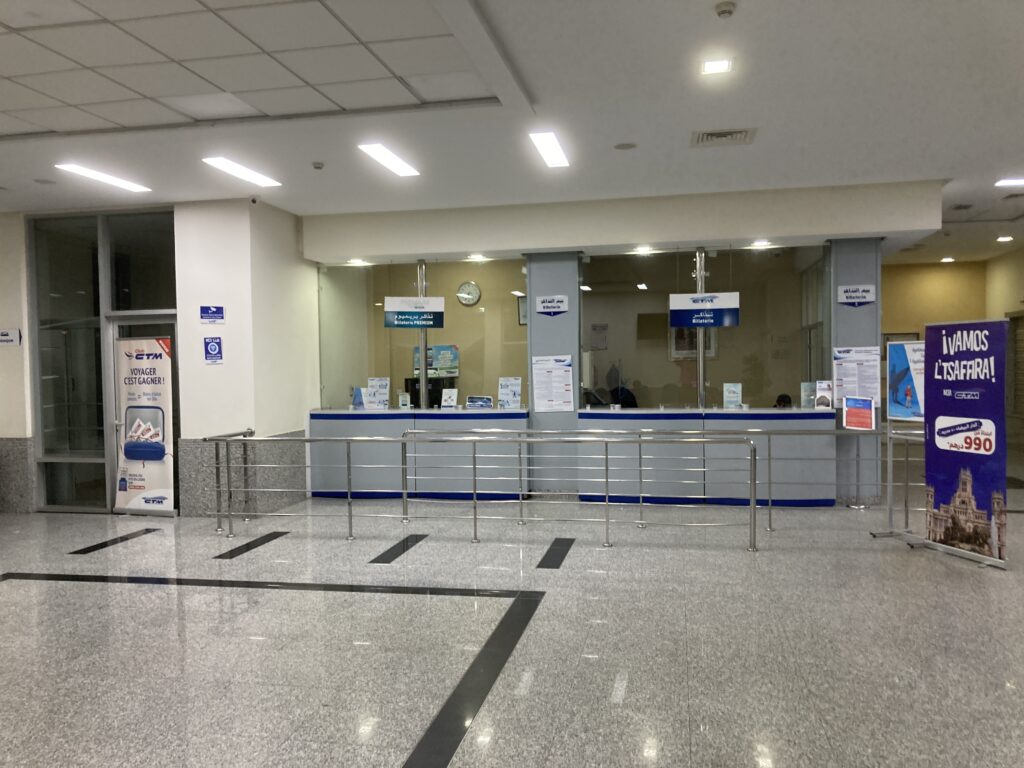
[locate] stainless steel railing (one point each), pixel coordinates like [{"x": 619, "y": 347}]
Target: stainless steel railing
[
  {"x": 602, "y": 441},
  {"x": 895, "y": 434},
  {"x": 217, "y": 441}
]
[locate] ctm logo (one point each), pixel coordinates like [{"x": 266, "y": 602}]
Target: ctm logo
[{"x": 144, "y": 355}]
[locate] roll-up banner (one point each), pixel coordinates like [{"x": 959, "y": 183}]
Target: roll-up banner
[
  {"x": 703, "y": 310},
  {"x": 414, "y": 311},
  {"x": 906, "y": 381},
  {"x": 145, "y": 464},
  {"x": 965, "y": 436}
]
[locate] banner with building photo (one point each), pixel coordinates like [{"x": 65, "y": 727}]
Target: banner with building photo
[
  {"x": 145, "y": 464},
  {"x": 965, "y": 436}
]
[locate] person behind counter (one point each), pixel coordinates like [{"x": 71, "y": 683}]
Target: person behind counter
[{"x": 783, "y": 401}]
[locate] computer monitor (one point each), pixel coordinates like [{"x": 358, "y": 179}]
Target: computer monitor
[{"x": 434, "y": 387}]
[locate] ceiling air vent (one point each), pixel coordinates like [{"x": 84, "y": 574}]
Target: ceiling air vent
[
  {"x": 728, "y": 138},
  {"x": 962, "y": 207}
]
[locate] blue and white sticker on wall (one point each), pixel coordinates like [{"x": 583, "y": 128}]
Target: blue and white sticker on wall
[
  {"x": 856, "y": 295},
  {"x": 210, "y": 314},
  {"x": 213, "y": 349},
  {"x": 552, "y": 305}
]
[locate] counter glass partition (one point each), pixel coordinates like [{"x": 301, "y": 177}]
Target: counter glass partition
[{"x": 630, "y": 352}]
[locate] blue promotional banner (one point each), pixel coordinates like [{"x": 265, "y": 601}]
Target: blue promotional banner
[
  {"x": 703, "y": 310},
  {"x": 965, "y": 436},
  {"x": 906, "y": 381},
  {"x": 414, "y": 312},
  {"x": 442, "y": 360}
]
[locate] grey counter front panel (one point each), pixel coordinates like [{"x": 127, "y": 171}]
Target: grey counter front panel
[
  {"x": 376, "y": 467},
  {"x": 803, "y": 466},
  {"x": 445, "y": 470},
  {"x": 671, "y": 473}
]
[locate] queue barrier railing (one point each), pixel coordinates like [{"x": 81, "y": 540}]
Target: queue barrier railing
[{"x": 604, "y": 441}]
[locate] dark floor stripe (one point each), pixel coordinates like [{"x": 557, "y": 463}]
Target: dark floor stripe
[
  {"x": 259, "y": 541},
  {"x": 393, "y": 553},
  {"x": 299, "y": 586},
  {"x": 112, "y": 542},
  {"x": 556, "y": 553},
  {"x": 437, "y": 746}
]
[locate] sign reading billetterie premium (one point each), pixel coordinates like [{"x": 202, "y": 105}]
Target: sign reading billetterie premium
[
  {"x": 414, "y": 312},
  {"x": 145, "y": 466},
  {"x": 965, "y": 436},
  {"x": 703, "y": 310}
]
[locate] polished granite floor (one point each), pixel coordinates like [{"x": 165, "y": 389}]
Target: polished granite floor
[{"x": 675, "y": 647}]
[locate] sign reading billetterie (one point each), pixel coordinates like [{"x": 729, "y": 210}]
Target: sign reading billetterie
[
  {"x": 703, "y": 310},
  {"x": 145, "y": 465},
  {"x": 965, "y": 436},
  {"x": 414, "y": 311}
]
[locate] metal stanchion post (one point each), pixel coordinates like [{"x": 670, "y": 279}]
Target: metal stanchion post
[
  {"x": 753, "y": 498},
  {"x": 520, "y": 447},
  {"x": 245, "y": 480},
  {"x": 216, "y": 464},
  {"x": 856, "y": 474},
  {"x": 476, "y": 539},
  {"x": 607, "y": 510},
  {"x": 640, "y": 477},
  {"x": 906, "y": 485},
  {"x": 231, "y": 495},
  {"x": 405, "y": 481},
  {"x": 348, "y": 485},
  {"x": 769, "y": 528}
]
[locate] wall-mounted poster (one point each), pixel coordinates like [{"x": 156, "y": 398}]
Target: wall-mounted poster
[
  {"x": 552, "y": 383},
  {"x": 905, "y": 377},
  {"x": 682, "y": 343},
  {"x": 442, "y": 361},
  {"x": 965, "y": 436},
  {"x": 857, "y": 372}
]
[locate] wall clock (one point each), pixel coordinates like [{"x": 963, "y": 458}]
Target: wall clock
[{"x": 468, "y": 293}]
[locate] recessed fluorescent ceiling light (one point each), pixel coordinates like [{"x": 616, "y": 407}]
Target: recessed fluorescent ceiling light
[
  {"x": 550, "y": 150},
  {"x": 241, "y": 172},
  {"x": 716, "y": 66},
  {"x": 584, "y": 287},
  {"x": 389, "y": 159},
  {"x": 1010, "y": 183},
  {"x": 642, "y": 286},
  {"x": 947, "y": 259},
  {"x": 643, "y": 250},
  {"x": 1004, "y": 239},
  {"x": 760, "y": 244},
  {"x": 358, "y": 263},
  {"x": 477, "y": 257},
  {"x": 106, "y": 178},
  {"x": 518, "y": 293}
]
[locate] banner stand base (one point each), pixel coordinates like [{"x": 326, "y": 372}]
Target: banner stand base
[
  {"x": 917, "y": 541},
  {"x": 889, "y": 534}
]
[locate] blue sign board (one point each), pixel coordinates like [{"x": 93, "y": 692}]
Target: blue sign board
[
  {"x": 211, "y": 314},
  {"x": 213, "y": 349},
  {"x": 414, "y": 312},
  {"x": 965, "y": 435},
  {"x": 703, "y": 310}
]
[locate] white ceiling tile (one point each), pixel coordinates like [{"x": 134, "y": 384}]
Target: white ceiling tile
[
  {"x": 190, "y": 36},
  {"x": 429, "y": 56},
  {"x": 389, "y": 19},
  {"x": 212, "y": 106},
  {"x": 368, "y": 94},
  {"x": 290, "y": 26},
  {"x": 449, "y": 87},
  {"x": 95, "y": 45},
  {"x": 15, "y": 96},
  {"x": 288, "y": 101},
  {"x": 166, "y": 79},
  {"x": 117, "y": 10},
  {"x": 19, "y": 56},
  {"x": 338, "y": 64},
  {"x": 11, "y": 125},
  {"x": 38, "y": 13},
  {"x": 79, "y": 86},
  {"x": 245, "y": 73},
  {"x": 137, "y": 112},
  {"x": 63, "y": 119}
]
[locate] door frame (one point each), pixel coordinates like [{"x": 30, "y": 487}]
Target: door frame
[{"x": 111, "y": 411}]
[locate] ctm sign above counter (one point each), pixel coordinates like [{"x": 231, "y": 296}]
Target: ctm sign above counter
[{"x": 703, "y": 310}]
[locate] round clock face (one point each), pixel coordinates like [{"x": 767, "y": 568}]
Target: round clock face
[{"x": 468, "y": 293}]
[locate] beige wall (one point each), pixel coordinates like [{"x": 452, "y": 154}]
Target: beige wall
[
  {"x": 914, "y": 295},
  {"x": 491, "y": 342},
  {"x": 15, "y": 418},
  {"x": 344, "y": 333},
  {"x": 1005, "y": 285}
]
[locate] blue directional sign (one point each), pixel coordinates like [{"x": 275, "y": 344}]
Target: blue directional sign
[{"x": 211, "y": 314}]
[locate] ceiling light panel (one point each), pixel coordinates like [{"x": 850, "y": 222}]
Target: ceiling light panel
[
  {"x": 241, "y": 172},
  {"x": 389, "y": 159},
  {"x": 716, "y": 66},
  {"x": 1004, "y": 239},
  {"x": 105, "y": 178},
  {"x": 550, "y": 150},
  {"x": 641, "y": 286},
  {"x": 1010, "y": 183}
]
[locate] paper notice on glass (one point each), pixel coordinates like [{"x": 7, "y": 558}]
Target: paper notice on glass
[
  {"x": 599, "y": 336},
  {"x": 857, "y": 372},
  {"x": 510, "y": 392},
  {"x": 552, "y": 383}
]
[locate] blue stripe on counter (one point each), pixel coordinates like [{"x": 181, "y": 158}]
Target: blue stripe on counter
[
  {"x": 722, "y": 501},
  {"x": 359, "y": 416}
]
